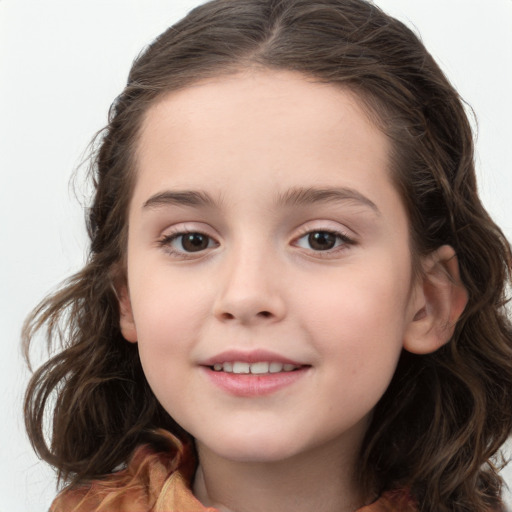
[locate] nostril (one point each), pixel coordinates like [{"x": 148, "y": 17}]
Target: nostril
[{"x": 245, "y": 314}]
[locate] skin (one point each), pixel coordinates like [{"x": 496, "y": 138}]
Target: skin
[{"x": 249, "y": 141}]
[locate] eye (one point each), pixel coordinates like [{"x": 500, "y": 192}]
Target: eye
[
  {"x": 321, "y": 240},
  {"x": 189, "y": 242},
  {"x": 194, "y": 242}
]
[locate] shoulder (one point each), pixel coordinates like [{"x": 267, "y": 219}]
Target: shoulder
[
  {"x": 392, "y": 501},
  {"x": 401, "y": 501},
  {"x": 136, "y": 488}
]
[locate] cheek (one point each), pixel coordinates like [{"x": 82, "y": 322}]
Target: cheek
[
  {"x": 166, "y": 303},
  {"x": 363, "y": 302},
  {"x": 168, "y": 317},
  {"x": 358, "y": 320}
]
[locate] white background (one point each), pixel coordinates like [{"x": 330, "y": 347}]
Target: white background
[{"x": 61, "y": 65}]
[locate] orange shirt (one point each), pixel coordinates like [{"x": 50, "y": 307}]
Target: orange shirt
[{"x": 160, "y": 482}]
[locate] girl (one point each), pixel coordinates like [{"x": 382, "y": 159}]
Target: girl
[{"x": 294, "y": 298}]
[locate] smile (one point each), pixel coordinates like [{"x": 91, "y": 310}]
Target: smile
[
  {"x": 253, "y": 373},
  {"x": 258, "y": 368}
]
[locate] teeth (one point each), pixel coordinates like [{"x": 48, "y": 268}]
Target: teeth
[
  {"x": 259, "y": 368},
  {"x": 275, "y": 367},
  {"x": 241, "y": 367}
]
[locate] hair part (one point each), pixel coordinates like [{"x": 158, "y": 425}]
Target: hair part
[{"x": 445, "y": 415}]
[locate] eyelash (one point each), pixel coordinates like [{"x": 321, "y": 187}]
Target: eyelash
[
  {"x": 166, "y": 243},
  {"x": 342, "y": 241}
]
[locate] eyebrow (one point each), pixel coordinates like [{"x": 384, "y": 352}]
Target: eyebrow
[
  {"x": 180, "y": 198},
  {"x": 305, "y": 196},
  {"x": 297, "y": 196}
]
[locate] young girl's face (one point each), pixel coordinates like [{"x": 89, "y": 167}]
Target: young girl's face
[{"x": 266, "y": 236}]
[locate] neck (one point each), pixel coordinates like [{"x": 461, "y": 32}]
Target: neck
[{"x": 323, "y": 481}]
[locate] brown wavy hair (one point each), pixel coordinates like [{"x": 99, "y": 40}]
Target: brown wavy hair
[{"x": 445, "y": 415}]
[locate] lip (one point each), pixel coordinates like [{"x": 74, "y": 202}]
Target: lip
[
  {"x": 252, "y": 356},
  {"x": 252, "y": 385},
  {"x": 248, "y": 385}
]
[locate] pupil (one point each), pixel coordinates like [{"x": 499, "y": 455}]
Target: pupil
[
  {"x": 193, "y": 242},
  {"x": 322, "y": 240}
]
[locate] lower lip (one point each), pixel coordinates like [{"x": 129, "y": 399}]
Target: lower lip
[{"x": 243, "y": 384}]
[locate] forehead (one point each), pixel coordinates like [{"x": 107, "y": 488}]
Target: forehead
[{"x": 260, "y": 124}]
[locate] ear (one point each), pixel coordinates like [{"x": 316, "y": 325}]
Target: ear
[
  {"x": 438, "y": 300},
  {"x": 126, "y": 321}
]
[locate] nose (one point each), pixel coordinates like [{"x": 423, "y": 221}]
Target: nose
[{"x": 251, "y": 291}]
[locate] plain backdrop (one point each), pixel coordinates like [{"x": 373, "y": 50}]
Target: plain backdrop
[{"x": 61, "y": 65}]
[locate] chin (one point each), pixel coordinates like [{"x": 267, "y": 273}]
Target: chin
[{"x": 251, "y": 448}]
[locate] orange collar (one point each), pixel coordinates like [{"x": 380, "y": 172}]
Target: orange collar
[{"x": 160, "y": 482}]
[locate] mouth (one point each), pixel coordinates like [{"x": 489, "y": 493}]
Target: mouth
[
  {"x": 257, "y": 368},
  {"x": 253, "y": 375}
]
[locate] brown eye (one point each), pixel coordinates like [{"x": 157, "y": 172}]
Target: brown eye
[
  {"x": 181, "y": 244},
  {"x": 194, "y": 242},
  {"x": 322, "y": 240}
]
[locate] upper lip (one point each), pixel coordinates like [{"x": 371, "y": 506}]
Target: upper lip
[{"x": 252, "y": 356}]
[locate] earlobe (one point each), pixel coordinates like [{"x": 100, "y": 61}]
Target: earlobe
[
  {"x": 126, "y": 321},
  {"x": 438, "y": 301}
]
